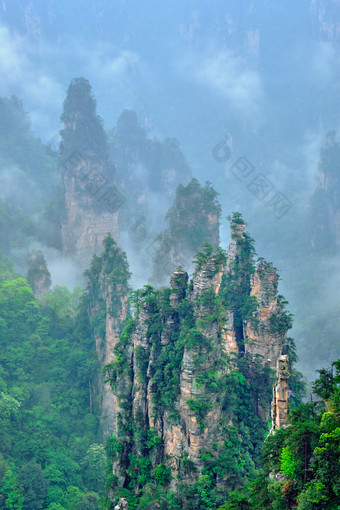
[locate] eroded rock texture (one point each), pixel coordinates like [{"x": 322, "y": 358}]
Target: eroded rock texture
[
  {"x": 92, "y": 200},
  {"x": 280, "y": 394},
  {"x": 192, "y": 372},
  {"x": 38, "y": 275},
  {"x": 91, "y": 209},
  {"x": 107, "y": 290}
]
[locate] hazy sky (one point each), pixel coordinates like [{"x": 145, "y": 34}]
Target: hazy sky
[
  {"x": 265, "y": 72},
  {"x": 180, "y": 64}
]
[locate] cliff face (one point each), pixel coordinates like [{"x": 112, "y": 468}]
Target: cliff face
[
  {"x": 91, "y": 210},
  {"x": 92, "y": 200},
  {"x": 191, "y": 374},
  {"x": 281, "y": 394},
  {"x": 107, "y": 306}
]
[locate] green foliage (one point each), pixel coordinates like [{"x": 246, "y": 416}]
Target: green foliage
[
  {"x": 208, "y": 253},
  {"x": 324, "y": 385},
  {"x": 237, "y": 501},
  {"x": 83, "y": 130},
  {"x": 32, "y": 480},
  {"x": 193, "y": 338},
  {"x": 235, "y": 286},
  {"x": 113, "y": 266},
  {"x": 201, "y": 407},
  {"x": 193, "y": 222},
  {"x": 300, "y": 464},
  {"x": 116, "y": 368},
  {"x": 49, "y": 412},
  {"x": 162, "y": 474},
  {"x": 288, "y": 463},
  {"x": 235, "y": 219},
  {"x": 142, "y": 360},
  {"x": 94, "y": 466},
  {"x": 280, "y": 322}
]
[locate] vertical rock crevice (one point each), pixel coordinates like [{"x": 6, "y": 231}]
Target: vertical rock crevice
[{"x": 184, "y": 383}]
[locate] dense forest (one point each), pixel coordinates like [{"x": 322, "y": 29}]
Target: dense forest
[
  {"x": 149, "y": 359},
  {"x": 158, "y": 397}
]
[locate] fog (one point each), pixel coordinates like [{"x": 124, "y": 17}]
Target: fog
[{"x": 265, "y": 74}]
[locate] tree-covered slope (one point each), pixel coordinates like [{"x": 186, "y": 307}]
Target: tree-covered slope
[
  {"x": 51, "y": 456},
  {"x": 300, "y": 464},
  {"x": 192, "y": 375},
  {"x": 27, "y": 170}
]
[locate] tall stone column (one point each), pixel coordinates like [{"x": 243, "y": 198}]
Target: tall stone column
[{"x": 280, "y": 394}]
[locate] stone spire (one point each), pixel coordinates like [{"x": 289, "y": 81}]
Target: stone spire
[
  {"x": 280, "y": 394},
  {"x": 38, "y": 275},
  {"x": 178, "y": 285}
]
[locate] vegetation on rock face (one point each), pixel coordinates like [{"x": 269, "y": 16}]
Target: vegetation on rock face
[
  {"x": 235, "y": 286},
  {"x": 141, "y": 456},
  {"x": 51, "y": 451},
  {"x": 300, "y": 464},
  {"x": 83, "y": 128},
  {"x": 108, "y": 278},
  {"x": 168, "y": 330},
  {"x": 193, "y": 220},
  {"x": 38, "y": 276}
]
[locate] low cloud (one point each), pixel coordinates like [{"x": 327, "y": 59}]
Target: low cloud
[
  {"x": 122, "y": 65},
  {"x": 22, "y": 75},
  {"x": 233, "y": 79},
  {"x": 325, "y": 62}
]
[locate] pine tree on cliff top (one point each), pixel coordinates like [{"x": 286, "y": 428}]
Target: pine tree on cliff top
[{"x": 83, "y": 129}]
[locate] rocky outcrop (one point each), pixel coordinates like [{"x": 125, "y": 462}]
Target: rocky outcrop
[
  {"x": 178, "y": 285},
  {"x": 91, "y": 198},
  {"x": 177, "y": 368},
  {"x": 91, "y": 209},
  {"x": 193, "y": 220},
  {"x": 122, "y": 504},
  {"x": 281, "y": 395},
  {"x": 38, "y": 275},
  {"x": 104, "y": 347},
  {"x": 107, "y": 294},
  {"x": 264, "y": 338}
]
